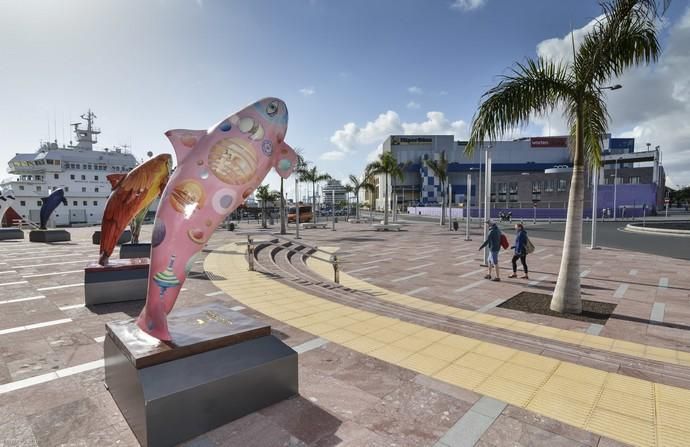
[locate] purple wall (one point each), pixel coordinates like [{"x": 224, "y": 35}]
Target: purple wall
[{"x": 633, "y": 197}]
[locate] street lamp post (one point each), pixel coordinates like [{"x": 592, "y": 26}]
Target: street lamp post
[
  {"x": 296, "y": 208},
  {"x": 469, "y": 198},
  {"x": 615, "y": 187},
  {"x": 595, "y": 187},
  {"x": 487, "y": 195},
  {"x": 450, "y": 204},
  {"x": 333, "y": 206}
]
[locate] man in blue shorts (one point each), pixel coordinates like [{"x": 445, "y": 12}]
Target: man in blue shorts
[{"x": 493, "y": 241}]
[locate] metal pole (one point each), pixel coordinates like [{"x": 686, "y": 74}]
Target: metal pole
[
  {"x": 487, "y": 197},
  {"x": 450, "y": 203},
  {"x": 534, "y": 219},
  {"x": 336, "y": 271},
  {"x": 469, "y": 198},
  {"x": 595, "y": 187},
  {"x": 615, "y": 186},
  {"x": 479, "y": 191},
  {"x": 250, "y": 253},
  {"x": 297, "y": 208},
  {"x": 333, "y": 206}
]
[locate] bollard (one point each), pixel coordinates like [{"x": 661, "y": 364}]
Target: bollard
[
  {"x": 336, "y": 272},
  {"x": 250, "y": 253}
]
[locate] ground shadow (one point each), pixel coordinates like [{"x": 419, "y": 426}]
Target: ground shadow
[{"x": 130, "y": 308}]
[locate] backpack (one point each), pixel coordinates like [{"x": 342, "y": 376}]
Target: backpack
[
  {"x": 504, "y": 241},
  {"x": 529, "y": 246}
]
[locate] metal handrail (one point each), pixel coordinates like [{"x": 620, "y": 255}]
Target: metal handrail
[
  {"x": 20, "y": 222},
  {"x": 333, "y": 258}
]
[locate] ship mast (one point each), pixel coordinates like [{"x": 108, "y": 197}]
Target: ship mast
[{"x": 86, "y": 138}]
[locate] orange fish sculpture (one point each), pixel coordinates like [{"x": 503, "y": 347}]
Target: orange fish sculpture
[{"x": 132, "y": 192}]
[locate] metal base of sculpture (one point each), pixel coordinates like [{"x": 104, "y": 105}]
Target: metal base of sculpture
[
  {"x": 57, "y": 235},
  {"x": 11, "y": 233},
  {"x": 125, "y": 237},
  {"x": 142, "y": 250},
  {"x": 120, "y": 280},
  {"x": 219, "y": 366}
]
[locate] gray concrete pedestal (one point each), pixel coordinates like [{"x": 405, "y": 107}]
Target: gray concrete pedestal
[
  {"x": 220, "y": 366},
  {"x": 128, "y": 251},
  {"x": 11, "y": 233},
  {"x": 49, "y": 236},
  {"x": 120, "y": 280}
]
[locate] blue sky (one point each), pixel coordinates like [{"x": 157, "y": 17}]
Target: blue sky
[{"x": 350, "y": 71}]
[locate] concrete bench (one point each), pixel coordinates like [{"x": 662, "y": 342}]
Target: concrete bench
[
  {"x": 312, "y": 225},
  {"x": 389, "y": 227}
]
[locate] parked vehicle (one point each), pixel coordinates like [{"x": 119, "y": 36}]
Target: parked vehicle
[{"x": 305, "y": 214}]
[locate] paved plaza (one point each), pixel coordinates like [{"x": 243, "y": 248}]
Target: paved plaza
[{"x": 410, "y": 349}]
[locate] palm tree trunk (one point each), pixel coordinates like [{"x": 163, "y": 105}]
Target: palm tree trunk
[
  {"x": 283, "y": 226},
  {"x": 313, "y": 202},
  {"x": 385, "y": 205},
  {"x": 566, "y": 295},
  {"x": 263, "y": 215},
  {"x": 357, "y": 205}
]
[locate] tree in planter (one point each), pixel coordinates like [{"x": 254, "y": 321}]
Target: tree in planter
[
  {"x": 624, "y": 37},
  {"x": 313, "y": 176},
  {"x": 440, "y": 169},
  {"x": 388, "y": 166},
  {"x": 358, "y": 185},
  {"x": 264, "y": 196}
]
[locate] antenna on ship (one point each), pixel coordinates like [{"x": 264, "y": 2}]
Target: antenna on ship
[{"x": 86, "y": 138}]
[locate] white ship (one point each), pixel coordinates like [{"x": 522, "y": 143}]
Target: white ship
[{"x": 79, "y": 169}]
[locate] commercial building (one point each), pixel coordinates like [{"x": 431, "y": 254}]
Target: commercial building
[
  {"x": 526, "y": 173},
  {"x": 332, "y": 191}
]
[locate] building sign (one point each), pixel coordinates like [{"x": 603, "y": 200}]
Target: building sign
[
  {"x": 622, "y": 143},
  {"x": 410, "y": 140},
  {"x": 548, "y": 142}
]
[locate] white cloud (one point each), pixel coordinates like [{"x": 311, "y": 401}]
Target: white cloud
[
  {"x": 333, "y": 155},
  {"x": 653, "y": 105},
  {"x": 467, "y": 5},
  {"x": 307, "y": 91},
  {"x": 353, "y": 137},
  {"x": 412, "y": 105},
  {"x": 415, "y": 90}
]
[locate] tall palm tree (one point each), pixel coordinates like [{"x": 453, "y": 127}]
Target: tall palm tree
[
  {"x": 388, "y": 166},
  {"x": 348, "y": 190},
  {"x": 440, "y": 169},
  {"x": 313, "y": 176},
  {"x": 358, "y": 185},
  {"x": 626, "y": 36},
  {"x": 264, "y": 195}
]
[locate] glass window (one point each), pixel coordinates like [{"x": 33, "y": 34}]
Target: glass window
[
  {"x": 56, "y": 176},
  {"x": 85, "y": 203},
  {"x": 39, "y": 203},
  {"x": 71, "y": 177},
  {"x": 83, "y": 189},
  {"x": 95, "y": 203},
  {"x": 95, "y": 177},
  {"x": 634, "y": 180},
  {"x": 562, "y": 184},
  {"x": 95, "y": 190},
  {"x": 74, "y": 203},
  {"x": 83, "y": 177},
  {"x": 21, "y": 187},
  {"x": 38, "y": 188},
  {"x": 66, "y": 188},
  {"x": 22, "y": 202}
]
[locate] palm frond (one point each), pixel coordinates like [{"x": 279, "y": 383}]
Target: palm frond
[
  {"x": 535, "y": 87},
  {"x": 624, "y": 37}
]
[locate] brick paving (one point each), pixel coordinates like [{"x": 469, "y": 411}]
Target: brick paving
[{"x": 346, "y": 397}]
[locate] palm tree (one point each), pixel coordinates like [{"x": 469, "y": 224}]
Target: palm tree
[
  {"x": 440, "y": 169},
  {"x": 388, "y": 166},
  {"x": 264, "y": 196},
  {"x": 348, "y": 190},
  {"x": 313, "y": 176},
  {"x": 357, "y": 185},
  {"x": 624, "y": 37}
]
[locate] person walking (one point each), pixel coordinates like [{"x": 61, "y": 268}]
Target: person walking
[
  {"x": 493, "y": 241},
  {"x": 520, "y": 251}
]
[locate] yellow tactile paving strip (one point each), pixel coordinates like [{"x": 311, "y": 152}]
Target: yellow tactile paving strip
[
  {"x": 577, "y": 338},
  {"x": 630, "y": 410}
]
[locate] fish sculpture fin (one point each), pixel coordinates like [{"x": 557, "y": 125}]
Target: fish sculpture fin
[
  {"x": 115, "y": 179},
  {"x": 184, "y": 140},
  {"x": 285, "y": 161}
]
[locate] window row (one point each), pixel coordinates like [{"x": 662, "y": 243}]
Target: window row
[
  {"x": 74, "y": 203},
  {"x": 632, "y": 180}
]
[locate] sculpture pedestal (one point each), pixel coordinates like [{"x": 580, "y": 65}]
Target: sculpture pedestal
[
  {"x": 49, "y": 236},
  {"x": 11, "y": 233},
  {"x": 128, "y": 251},
  {"x": 125, "y": 237},
  {"x": 220, "y": 366},
  {"x": 120, "y": 280}
]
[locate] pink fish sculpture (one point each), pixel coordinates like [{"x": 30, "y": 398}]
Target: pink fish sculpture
[{"x": 217, "y": 170}]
